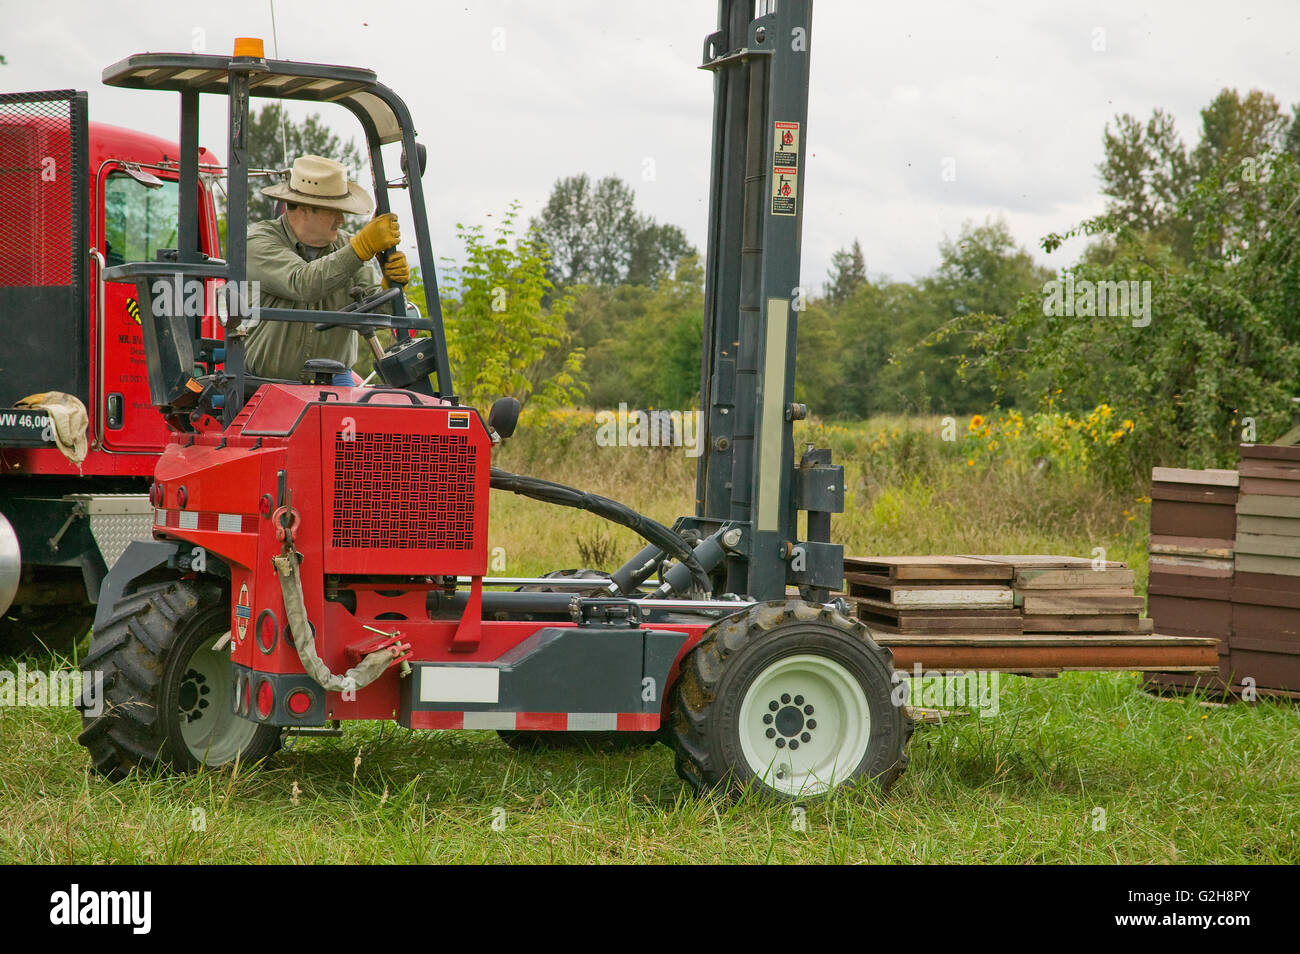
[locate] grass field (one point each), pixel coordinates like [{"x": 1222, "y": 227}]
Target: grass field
[{"x": 1080, "y": 769}]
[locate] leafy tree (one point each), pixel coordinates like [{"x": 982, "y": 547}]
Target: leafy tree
[
  {"x": 1223, "y": 342},
  {"x": 847, "y": 273},
  {"x": 819, "y": 360},
  {"x": 656, "y": 251},
  {"x": 644, "y": 343},
  {"x": 499, "y": 329},
  {"x": 899, "y": 346},
  {"x": 597, "y": 237},
  {"x": 1149, "y": 175}
]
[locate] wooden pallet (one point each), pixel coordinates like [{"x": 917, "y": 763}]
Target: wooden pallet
[
  {"x": 1106, "y": 600},
  {"x": 928, "y": 568},
  {"x": 1072, "y": 579},
  {"x": 1051, "y": 652},
  {"x": 1116, "y": 623},
  {"x": 938, "y": 622},
  {"x": 930, "y": 597}
]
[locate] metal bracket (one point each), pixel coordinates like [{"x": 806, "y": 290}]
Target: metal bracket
[
  {"x": 623, "y": 614},
  {"x": 78, "y": 510}
]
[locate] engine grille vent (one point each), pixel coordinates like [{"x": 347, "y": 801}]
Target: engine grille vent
[{"x": 404, "y": 492}]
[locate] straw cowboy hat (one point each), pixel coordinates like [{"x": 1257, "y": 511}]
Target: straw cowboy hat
[{"x": 322, "y": 183}]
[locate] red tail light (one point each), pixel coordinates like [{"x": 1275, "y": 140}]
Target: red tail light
[{"x": 265, "y": 699}]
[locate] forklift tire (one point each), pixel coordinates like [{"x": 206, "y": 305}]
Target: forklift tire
[
  {"x": 792, "y": 699},
  {"x": 167, "y": 685},
  {"x": 533, "y": 742}
]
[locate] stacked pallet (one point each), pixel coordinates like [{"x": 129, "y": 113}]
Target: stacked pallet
[
  {"x": 994, "y": 594},
  {"x": 1265, "y": 643},
  {"x": 1193, "y": 526},
  {"x": 1076, "y": 595},
  {"x": 940, "y": 594}
]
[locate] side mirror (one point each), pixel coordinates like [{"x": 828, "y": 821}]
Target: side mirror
[
  {"x": 504, "y": 416},
  {"x": 421, "y": 155}
]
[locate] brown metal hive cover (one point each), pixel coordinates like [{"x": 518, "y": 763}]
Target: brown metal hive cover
[
  {"x": 1266, "y": 589},
  {"x": 1269, "y": 452},
  {"x": 1270, "y": 666},
  {"x": 1182, "y": 518},
  {"x": 1191, "y": 617},
  {"x": 1194, "y": 587}
]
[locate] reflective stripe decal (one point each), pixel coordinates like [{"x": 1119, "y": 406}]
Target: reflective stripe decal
[
  {"x": 489, "y": 720},
  {"x": 206, "y": 521},
  {"x": 537, "y": 721},
  {"x": 592, "y": 721}
]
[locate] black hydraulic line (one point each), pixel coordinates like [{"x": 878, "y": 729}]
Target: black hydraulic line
[
  {"x": 652, "y": 530},
  {"x": 526, "y": 603},
  {"x": 631, "y": 574},
  {"x": 709, "y": 552}
]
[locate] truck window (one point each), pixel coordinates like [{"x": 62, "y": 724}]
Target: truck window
[{"x": 138, "y": 219}]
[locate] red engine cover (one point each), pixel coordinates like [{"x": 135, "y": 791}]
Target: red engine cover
[{"x": 404, "y": 490}]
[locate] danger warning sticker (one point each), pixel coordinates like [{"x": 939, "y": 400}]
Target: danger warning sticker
[
  {"x": 785, "y": 169},
  {"x": 786, "y": 154},
  {"x": 243, "y": 610}
]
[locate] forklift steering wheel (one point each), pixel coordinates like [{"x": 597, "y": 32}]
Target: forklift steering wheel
[{"x": 364, "y": 305}]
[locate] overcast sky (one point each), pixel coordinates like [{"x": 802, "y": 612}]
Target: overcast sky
[{"x": 511, "y": 95}]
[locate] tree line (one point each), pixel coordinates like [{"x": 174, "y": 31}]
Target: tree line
[{"x": 594, "y": 302}]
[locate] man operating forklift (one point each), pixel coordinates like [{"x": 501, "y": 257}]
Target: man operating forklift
[{"x": 303, "y": 260}]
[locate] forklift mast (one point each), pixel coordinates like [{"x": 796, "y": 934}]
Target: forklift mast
[{"x": 752, "y": 295}]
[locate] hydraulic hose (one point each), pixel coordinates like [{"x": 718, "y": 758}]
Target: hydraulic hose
[
  {"x": 652, "y": 530},
  {"x": 360, "y": 675}
]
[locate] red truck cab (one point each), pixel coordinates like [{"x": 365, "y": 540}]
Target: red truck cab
[{"x": 75, "y": 198}]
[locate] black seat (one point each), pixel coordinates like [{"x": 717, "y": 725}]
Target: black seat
[{"x": 322, "y": 370}]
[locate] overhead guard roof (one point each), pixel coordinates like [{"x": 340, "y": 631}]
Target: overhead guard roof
[{"x": 282, "y": 79}]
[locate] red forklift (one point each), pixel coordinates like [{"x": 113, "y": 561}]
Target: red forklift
[
  {"x": 75, "y": 199},
  {"x": 319, "y": 553}
]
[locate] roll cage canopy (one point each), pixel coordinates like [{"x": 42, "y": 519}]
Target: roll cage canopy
[{"x": 384, "y": 118}]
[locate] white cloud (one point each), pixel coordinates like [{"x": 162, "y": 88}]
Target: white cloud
[{"x": 1015, "y": 93}]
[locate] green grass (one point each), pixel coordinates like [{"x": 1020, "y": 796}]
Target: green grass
[{"x": 1178, "y": 782}]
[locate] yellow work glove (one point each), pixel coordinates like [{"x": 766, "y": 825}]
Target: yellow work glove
[
  {"x": 396, "y": 271},
  {"x": 379, "y": 233}
]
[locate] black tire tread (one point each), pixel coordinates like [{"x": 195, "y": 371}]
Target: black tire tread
[
  {"x": 130, "y": 648},
  {"x": 703, "y": 669}
]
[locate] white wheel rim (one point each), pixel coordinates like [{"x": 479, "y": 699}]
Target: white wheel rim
[
  {"x": 805, "y": 725},
  {"x": 213, "y": 733}
]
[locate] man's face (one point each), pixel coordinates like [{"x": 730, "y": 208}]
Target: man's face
[{"x": 315, "y": 227}]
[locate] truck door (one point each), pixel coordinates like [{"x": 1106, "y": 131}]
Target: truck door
[
  {"x": 138, "y": 219},
  {"x": 139, "y": 214}
]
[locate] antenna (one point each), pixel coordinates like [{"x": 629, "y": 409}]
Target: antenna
[{"x": 284, "y": 136}]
